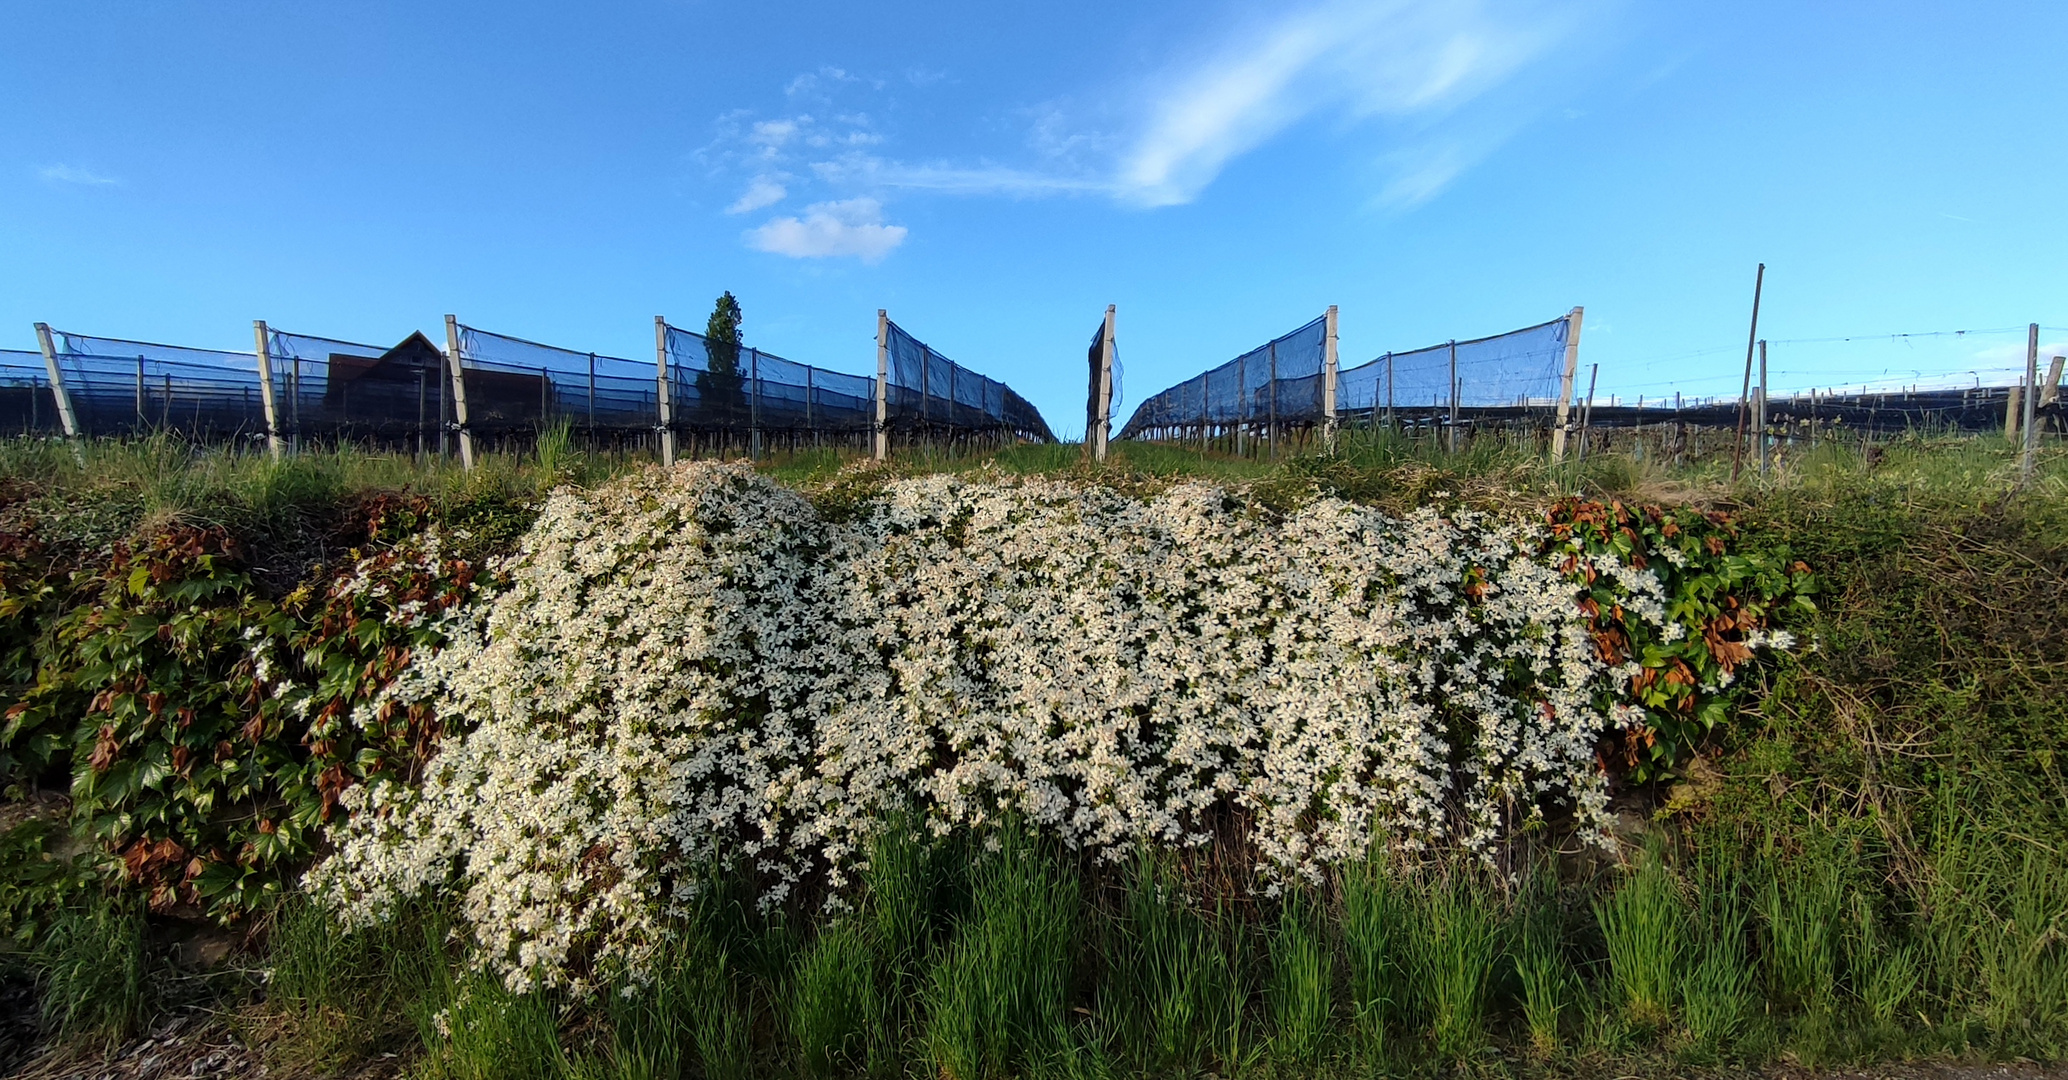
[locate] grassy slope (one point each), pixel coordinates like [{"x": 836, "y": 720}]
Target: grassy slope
[{"x": 1908, "y": 757}]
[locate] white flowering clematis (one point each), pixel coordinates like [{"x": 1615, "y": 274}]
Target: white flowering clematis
[{"x": 694, "y": 664}]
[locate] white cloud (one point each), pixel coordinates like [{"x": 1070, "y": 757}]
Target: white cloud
[
  {"x": 828, "y": 230},
  {"x": 1400, "y": 60},
  {"x": 770, "y": 136},
  {"x": 764, "y": 191},
  {"x": 1421, "y": 175},
  {"x": 72, "y": 174},
  {"x": 868, "y": 170},
  {"x": 1423, "y": 72}
]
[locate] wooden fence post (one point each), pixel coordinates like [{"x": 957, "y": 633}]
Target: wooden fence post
[
  {"x": 1328, "y": 381},
  {"x": 882, "y": 385},
  {"x": 459, "y": 392},
  {"x": 265, "y": 374},
  {"x": 1104, "y": 424},
  {"x": 65, "y": 415},
  {"x": 1565, "y": 383},
  {"x": 664, "y": 392}
]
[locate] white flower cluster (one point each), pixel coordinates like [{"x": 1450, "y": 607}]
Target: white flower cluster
[{"x": 694, "y": 664}]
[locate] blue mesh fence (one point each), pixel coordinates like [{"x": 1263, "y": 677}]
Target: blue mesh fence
[
  {"x": 327, "y": 388},
  {"x": 746, "y": 389},
  {"x": 514, "y": 385},
  {"x": 119, "y": 386},
  {"x": 26, "y": 404},
  {"x": 927, "y": 392},
  {"x": 1276, "y": 383},
  {"x": 1519, "y": 369}
]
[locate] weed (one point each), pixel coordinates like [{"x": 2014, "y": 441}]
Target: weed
[
  {"x": 93, "y": 973},
  {"x": 1374, "y": 909},
  {"x": 1644, "y": 923},
  {"x": 836, "y": 1013},
  {"x": 1301, "y": 979},
  {"x": 996, "y": 997},
  {"x": 1451, "y": 943}
]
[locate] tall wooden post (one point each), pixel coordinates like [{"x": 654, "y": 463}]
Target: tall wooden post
[
  {"x": 2031, "y": 402},
  {"x": 664, "y": 392},
  {"x": 1738, "y": 448},
  {"x": 65, "y": 415},
  {"x": 1328, "y": 380},
  {"x": 882, "y": 385},
  {"x": 1565, "y": 383},
  {"x": 459, "y": 392},
  {"x": 2050, "y": 390},
  {"x": 1103, "y": 425},
  {"x": 265, "y": 374}
]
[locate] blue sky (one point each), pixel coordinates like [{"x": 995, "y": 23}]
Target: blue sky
[{"x": 995, "y": 174}]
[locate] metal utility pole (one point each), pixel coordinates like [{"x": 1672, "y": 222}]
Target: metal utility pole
[
  {"x": 1738, "y": 449},
  {"x": 1587, "y": 412},
  {"x": 1759, "y": 413},
  {"x": 1454, "y": 396},
  {"x": 2031, "y": 403}
]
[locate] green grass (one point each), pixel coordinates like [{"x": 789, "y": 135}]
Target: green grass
[
  {"x": 836, "y": 1010},
  {"x": 1302, "y": 982},
  {"x": 1170, "y": 973},
  {"x": 1644, "y": 924},
  {"x": 1867, "y": 863},
  {"x": 996, "y": 999},
  {"x": 93, "y": 973},
  {"x": 1374, "y": 916},
  {"x": 1453, "y": 938}
]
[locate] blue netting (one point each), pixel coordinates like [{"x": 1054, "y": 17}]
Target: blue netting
[
  {"x": 928, "y": 391},
  {"x": 514, "y": 384},
  {"x": 1277, "y": 382},
  {"x": 1521, "y": 368},
  {"x": 27, "y": 406},
  {"x": 756, "y": 390},
  {"x": 329, "y": 387},
  {"x": 127, "y": 386}
]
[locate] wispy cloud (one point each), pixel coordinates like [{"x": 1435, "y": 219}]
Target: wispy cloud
[
  {"x": 762, "y": 192},
  {"x": 1437, "y": 82},
  {"x": 869, "y": 170},
  {"x": 1398, "y": 60},
  {"x": 73, "y": 174},
  {"x": 850, "y": 227}
]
